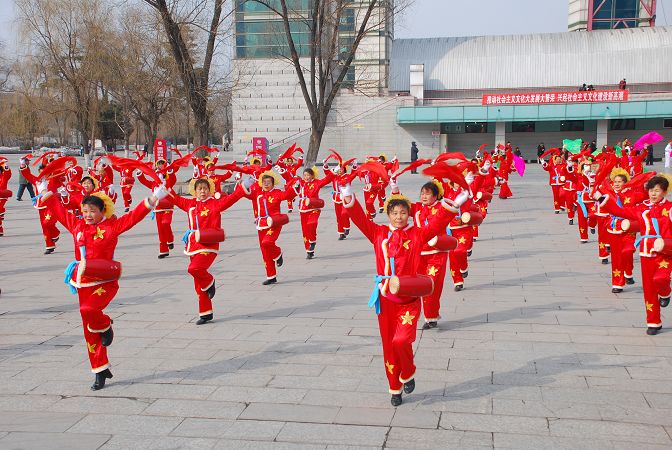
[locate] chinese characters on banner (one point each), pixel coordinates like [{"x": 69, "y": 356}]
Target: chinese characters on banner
[
  {"x": 159, "y": 149},
  {"x": 535, "y": 98}
]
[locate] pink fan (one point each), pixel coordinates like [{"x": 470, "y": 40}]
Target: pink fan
[{"x": 648, "y": 139}]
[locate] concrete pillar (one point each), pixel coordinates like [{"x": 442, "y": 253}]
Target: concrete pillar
[
  {"x": 443, "y": 143},
  {"x": 500, "y": 133},
  {"x": 602, "y": 137}
]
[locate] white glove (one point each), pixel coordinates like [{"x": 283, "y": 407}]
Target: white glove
[
  {"x": 469, "y": 178},
  {"x": 355, "y": 163},
  {"x": 325, "y": 165},
  {"x": 110, "y": 190},
  {"x": 248, "y": 181},
  {"x": 394, "y": 186},
  {"x": 62, "y": 191},
  {"x": 277, "y": 168},
  {"x": 160, "y": 192},
  {"x": 137, "y": 172},
  {"x": 597, "y": 194},
  {"x": 217, "y": 155},
  {"x": 346, "y": 190},
  {"x": 486, "y": 165},
  {"x": 462, "y": 197},
  {"x": 42, "y": 186}
]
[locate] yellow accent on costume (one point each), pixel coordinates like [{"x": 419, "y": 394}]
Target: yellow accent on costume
[
  {"x": 390, "y": 367},
  {"x": 107, "y": 201},
  {"x": 616, "y": 273},
  {"x": 397, "y": 197},
  {"x": 649, "y": 307},
  {"x": 432, "y": 271},
  {"x": 205, "y": 212},
  {"x": 47, "y": 216},
  {"x": 619, "y": 171},
  {"x": 407, "y": 319},
  {"x": 192, "y": 185},
  {"x": 440, "y": 186},
  {"x": 100, "y": 234},
  {"x": 91, "y": 347},
  {"x": 406, "y": 244},
  {"x": 269, "y": 173},
  {"x": 462, "y": 240},
  {"x": 100, "y": 291},
  {"x": 663, "y": 264}
]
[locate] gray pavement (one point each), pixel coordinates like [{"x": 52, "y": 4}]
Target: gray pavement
[{"x": 535, "y": 353}]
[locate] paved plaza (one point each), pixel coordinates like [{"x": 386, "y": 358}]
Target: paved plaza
[{"x": 535, "y": 353}]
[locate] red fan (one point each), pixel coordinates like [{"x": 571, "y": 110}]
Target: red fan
[
  {"x": 482, "y": 146},
  {"x": 373, "y": 166},
  {"x": 127, "y": 163},
  {"x": 335, "y": 155},
  {"x": 638, "y": 182},
  {"x": 605, "y": 168},
  {"x": 43, "y": 157},
  {"x": 181, "y": 162},
  {"x": 443, "y": 170},
  {"x": 57, "y": 167},
  {"x": 452, "y": 158},
  {"x": 290, "y": 152},
  {"x": 550, "y": 151},
  {"x": 414, "y": 165},
  {"x": 252, "y": 169}
]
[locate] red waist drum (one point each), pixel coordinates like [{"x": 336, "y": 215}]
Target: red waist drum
[
  {"x": 278, "y": 220},
  {"x": 663, "y": 246},
  {"x": 313, "y": 203},
  {"x": 98, "y": 270},
  {"x": 164, "y": 203},
  {"x": 411, "y": 286},
  {"x": 443, "y": 242},
  {"x": 5, "y": 193},
  {"x": 209, "y": 236},
  {"x": 483, "y": 195},
  {"x": 472, "y": 218},
  {"x": 631, "y": 226}
]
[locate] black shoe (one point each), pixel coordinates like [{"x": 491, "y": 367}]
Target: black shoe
[
  {"x": 652, "y": 331},
  {"x": 664, "y": 301},
  {"x": 409, "y": 386},
  {"x": 571, "y": 221},
  {"x": 56, "y": 239},
  {"x": 126, "y": 210},
  {"x": 347, "y": 231},
  {"x": 605, "y": 261},
  {"x": 310, "y": 255},
  {"x": 19, "y": 200},
  {"x": 211, "y": 290},
  {"x": 49, "y": 251},
  {"x": 99, "y": 382},
  {"x": 204, "y": 319},
  {"x": 459, "y": 287},
  {"x": 171, "y": 246},
  {"x": 373, "y": 216},
  {"x": 396, "y": 399},
  {"x": 380, "y": 210},
  {"x": 106, "y": 337},
  {"x": 290, "y": 210},
  {"x": 465, "y": 274},
  {"x": 341, "y": 236},
  {"x": 616, "y": 290},
  {"x": 163, "y": 255},
  {"x": 270, "y": 281},
  {"x": 469, "y": 252},
  {"x": 629, "y": 280},
  {"x": 592, "y": 231},
  {"x": 429, "y": 325},
  {"x": 279, "y": 262},
  {"x": 312, "y": 246},
  {"x": 557, "y": 212}
]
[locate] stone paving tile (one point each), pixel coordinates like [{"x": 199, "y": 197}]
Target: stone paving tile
[
  {"x": 38, "y": 421},
  {"x": 333, "y": 434},
  {"x": 617, "y": 431},
  {"x": 123, "y": 442},
  {"x": 126, "y": 424},
  {"x": 21, "y": 441},
  {"x": 429, "y": 439},
  {"x": 364, "y": 416},
  {"x": 194, "y": 408},
  {"x": 253, "y": 430},
  {"x": 493, "y": 423},
  {"x": 506, "y": 441},
  {"x": 290, "y": 413}
]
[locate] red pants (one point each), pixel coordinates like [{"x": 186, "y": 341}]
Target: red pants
[
  {"x": 397, "y": 324},
  {"x": 309, "y": 227},
  {"x": 656, "y": 283},
  {"x": 569, "y": 202},
  {"x": 198, "y": 268},
  {"x": 458, "y": 257},
  {"x": 558, "y": 197},
  {"x": 369, "y": 202},
  {"x": 622, "y": 250},
  {"x": 434, "y": 266},
  {"x": 270, "y": 252},
  {"x": 164, "y": 220},
  {"x": 126, "y": 194},
  {"x": 49, "y": 229},
  {"x": 92, "y": 301},
  {"x": 585, "y": 222},
  {"x": 2, "y": 213},
  {"x": 381, "y": 197},
  {"x": 603, "y": 236},
  {"x": 504, "y": 190},
  {"x": 290, "y": 205},
  {"x": 342, "y": 218}
]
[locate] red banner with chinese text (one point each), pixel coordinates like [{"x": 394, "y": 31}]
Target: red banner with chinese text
[{"x": 537, "y": 98}]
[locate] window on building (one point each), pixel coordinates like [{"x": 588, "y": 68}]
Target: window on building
[
  {"x": 572, "y": 125},
  {"x": 667, "y": 123},
  {"x": 522, "y": 127},
  {"x": 475, "y": 127},
  {"x": 622, "y": 124}
]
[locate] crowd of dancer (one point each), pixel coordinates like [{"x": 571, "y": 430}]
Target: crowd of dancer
[
  {"x": 612, "y": 196},
  {"x": 417, "y": 245}
]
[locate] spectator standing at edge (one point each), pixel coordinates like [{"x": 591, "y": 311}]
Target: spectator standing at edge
[
  {"x": 24, "y": 184},
  {"x": 668, "y": 154},
  {"x": 622, "y": 84},
  {"x": 593, "y": 146},
  {"x": 414, "y": 154},
  {"x": 541, "y": 148},
  {"x": 649, "y": 155}
]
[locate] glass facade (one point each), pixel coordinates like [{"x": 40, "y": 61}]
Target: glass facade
[{"x": 610, "y": 14}]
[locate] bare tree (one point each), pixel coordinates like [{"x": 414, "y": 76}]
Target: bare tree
[
  {"x": 321, "y": 64},
  {"x": 180, "y": 18},
  {"x": 5, "y": 69}
]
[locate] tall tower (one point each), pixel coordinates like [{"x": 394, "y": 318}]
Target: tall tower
[{"x": 589, "y": 15}]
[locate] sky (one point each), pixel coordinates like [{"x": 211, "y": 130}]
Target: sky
[{"x": 436, "y": 18}]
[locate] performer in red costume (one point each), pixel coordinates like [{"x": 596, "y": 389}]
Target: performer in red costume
[
  {"x": 372, "y": 186},
  {"x": 463, "y": 232},
  {"x": 505, "y": 168},
  {"x": 397, "y": 248},
  {"x": 266, "y": 200},
  {"x": 287, "y": 170},
  {"x": 653, "y": 217},
  {"x": 94, "y": 275},
  {"x": 5, "y": 193},
  {"x": 342, "y": 218},
  {"x": 50, "y": 231},
  {"x": 556, "y": 169},
  {"x": 569, "y": 188},
  {"x": 163, "y": 211},
  {"x": 310, "y": 205},
  {"x": 204, "y": 212},
  {"x": 584, "y": 202}
]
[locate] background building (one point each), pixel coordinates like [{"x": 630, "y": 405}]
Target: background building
[{"x": 589, "y": 15}]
